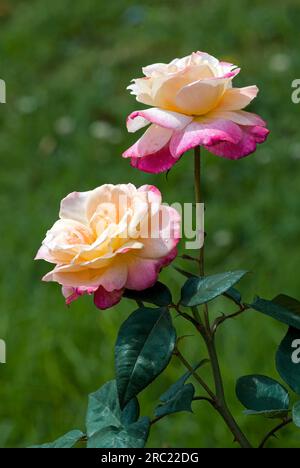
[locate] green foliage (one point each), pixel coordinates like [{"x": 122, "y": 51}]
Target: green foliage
[
  {"x": 234, "y": 295},
  {"x": 184, "y": 273},
  {"x": 270, "y": 414},
  {"x": 133, "y": 436},
  {"x": 104, "y": 410},
  {"x": 144, "y": 348},
  {"x": 107, "y": 426},
  {"x": 198, "y": 291},
  {"x": 158, "y": 295},
  {"x": 262, "y": 395},
  {"x": 296, "y": 414},
  {"x": 178, "y": 397},
  {"x": 289, "y": 370},
  {"x": 282, "y": 308},
  {"x": 110, "y": 427},
  {"x": 181, "y": 400},
  {"x": 66, "y": 441}
]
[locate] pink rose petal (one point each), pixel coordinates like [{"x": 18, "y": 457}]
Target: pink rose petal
[
  {"x": 155, "y": 163},
  {"x": 251, "y": 136},
  {"x": 204, "y": 134},
  {"x": 104, "y": 299},
  {"x": 153, "y": 140},
  {"x": 163, "y": 118}
]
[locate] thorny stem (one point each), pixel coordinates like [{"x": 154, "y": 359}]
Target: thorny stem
[
  {"x": 197, "y": 325},
  {"x": 194, "y": 373},
  {"x": 197, "y": 184},
  {"x": 189, "y": 257},
  {"x": 202, "y": 398},
  {"x": 273, "y": 431},
  {"x": 208, "y": 336},
  {"x": 196, "y": 398},
  {"x": 158, "y": 418},
  {"x": 223, "y": 318},
  {"x": 221, "y": 404},
  {"x": 198, "y": 200}
]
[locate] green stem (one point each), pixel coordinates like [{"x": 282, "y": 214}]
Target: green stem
[
  {"x": 194, "y": 373},
  {"x": 221, "y": 404},
  {"x": 198, "y": 198},
  {"x": 273, "y": 431},
  {"x": 206, "y": 332}
]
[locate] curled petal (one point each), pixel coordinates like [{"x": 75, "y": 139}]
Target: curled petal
[
  {"x": 227, "y": 67},
  {"x": 141, "y": 88},
  {"x": 72, "y": 294},
  {"x": 154, "y": 194},
  {"x": 74, "y": 206},
  {"x": 104, "y": 299},
  {"x": 259, "y": 133},
  {"x": 163, "y": 118},
  {"x": 44, "y": 254},
  {"x": 231, "y": 73}
]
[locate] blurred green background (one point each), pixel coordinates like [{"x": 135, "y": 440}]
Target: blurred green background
[{"x": 66, "y": 64}]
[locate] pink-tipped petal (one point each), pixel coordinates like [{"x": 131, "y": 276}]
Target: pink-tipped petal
[
  {"x": 260, "y": 134},
  {"x": 104, "y": 299},
  {"x": 204, "y": 134},
  {"x": 165, "y": 234},
  {"x": 155, "y": 163},
  {"x": 169, "y": 258},
  {"x": 163, "y": 118},
  {"x": 240, "y": 117},
  {"x": 154, "y": 196},
  {"x": 152, "y": 190},
  {"x": 232, "y": 73},
  {"x": 142, "y": 274},
  {"x": 114, "y": 278},
  {"x": 153, "y": 140},
  {"x": 72, "y": 294},
  {"x": 251, "y": 136},
  {"x": 227, "y": 66}
]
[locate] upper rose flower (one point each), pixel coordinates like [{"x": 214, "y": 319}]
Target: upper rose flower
[
  {"x": 109, "y": 239},
  {"x": 194, "y": 104}
]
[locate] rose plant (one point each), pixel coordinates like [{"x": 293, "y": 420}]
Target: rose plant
[
  {"x": 101, "y": 243},
  {"x": 113, "y": 241}
]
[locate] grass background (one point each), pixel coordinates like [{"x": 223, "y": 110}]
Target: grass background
[{"x": 66, "y": 65}]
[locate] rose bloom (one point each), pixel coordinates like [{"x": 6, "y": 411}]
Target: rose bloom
[
  {"x": 194, "y": 104},
  {"x": 109, "y": 239}
]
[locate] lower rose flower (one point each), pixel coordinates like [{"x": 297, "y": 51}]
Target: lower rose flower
[{"x": 109, "y": 239}]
